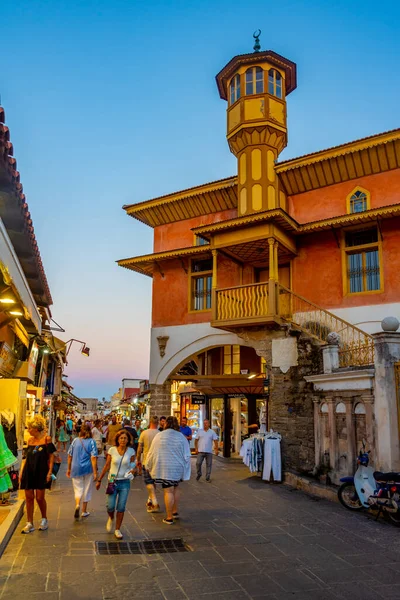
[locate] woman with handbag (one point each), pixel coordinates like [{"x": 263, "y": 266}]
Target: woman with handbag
[
  {"x": 120, "y": 466},
  {"x": 36, "y": 470},
  {"x": 82, "y": 468}
]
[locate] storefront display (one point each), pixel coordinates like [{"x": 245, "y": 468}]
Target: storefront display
[{"x": 217, "y": 419}]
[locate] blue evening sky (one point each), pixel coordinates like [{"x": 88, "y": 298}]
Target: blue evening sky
[{"x": 111, "y": 103}]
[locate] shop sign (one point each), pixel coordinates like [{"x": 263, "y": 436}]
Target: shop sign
[
  {"x": 244, "y": 371},
  {"x": 33, "y": 356},
  {"x": 198, "y": 399},
  {"x": 235, "y": 395},
  {"x": 8, "y": 360}
]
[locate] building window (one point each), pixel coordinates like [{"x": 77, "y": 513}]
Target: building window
[
  {"x": 254, "y": 81},
  {"x": 199, "y": 241},
  {"x": 232, "y": 360},
  {"x": 201, "y": 284},
  {"x": 235, "y": 89},
  {"x": 363, "y": 267},
  {"x": 358, "y": 201},
  {"x": 275, "y": 83}
]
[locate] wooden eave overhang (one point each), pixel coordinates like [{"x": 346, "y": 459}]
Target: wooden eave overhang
[
  {"x": 368, "y": 216},
  {"x": 200, "y": 200},
  {"x": 14, "y": 212},
  {"x": 147, "y": 263},
  {"x": 277, "y": 215},
  {"x": 255, "y": 58},
  {"x": 367, "y": 156}
]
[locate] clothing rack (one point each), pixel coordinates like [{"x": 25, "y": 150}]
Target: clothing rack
[{"x": 258, "y": 459}]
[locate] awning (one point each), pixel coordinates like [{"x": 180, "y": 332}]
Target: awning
[{"x": 13, "y": 276}]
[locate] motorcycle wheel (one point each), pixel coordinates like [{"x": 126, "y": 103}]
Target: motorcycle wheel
[
  {"x": 348, "y": 496},
  {"x": 393, "y": 518}
]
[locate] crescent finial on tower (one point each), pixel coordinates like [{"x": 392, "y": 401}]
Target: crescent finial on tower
[{"x": 256, "y": 36}]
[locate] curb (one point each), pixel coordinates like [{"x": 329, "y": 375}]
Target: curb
[
  {"x": 10, "y": 523},
  {"x": 310, "y": 487}
]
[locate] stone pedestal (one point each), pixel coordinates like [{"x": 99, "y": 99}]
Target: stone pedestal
[
  {"x": 387, "y": 353},
  {"x": 330, "y": 357}
]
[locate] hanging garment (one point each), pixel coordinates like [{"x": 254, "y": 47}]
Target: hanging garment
[
  {"x": 7, "y": 460},
  {"x": 272, "y": 459},
  {"x": 10, "y": 434}
]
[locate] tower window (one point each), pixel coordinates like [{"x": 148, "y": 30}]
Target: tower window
[
  {"x": 275, "y": 83},
  {"x": 254, "y": 81},
  {"x": 235, "y": 89},
  {"x": 358, "y": 202}
]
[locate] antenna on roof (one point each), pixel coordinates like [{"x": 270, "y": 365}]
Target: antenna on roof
[{"x": 256, "y": 36}]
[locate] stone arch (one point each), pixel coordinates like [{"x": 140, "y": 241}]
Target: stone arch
[
  {"x": 340, "y": 408},
  {"x": 180, "y": 357}
]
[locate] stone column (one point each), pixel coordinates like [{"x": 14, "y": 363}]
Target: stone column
[
  {"x": 160, "y": 399},
  {"x": 387, "y": 353},
  {"x": 351, "y": 434},
  {"x": 368, "y": 402},
  {"x": 332, "y": 433},
  {"x": 317, "y": 432}
]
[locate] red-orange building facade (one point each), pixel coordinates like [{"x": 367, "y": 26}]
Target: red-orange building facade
[{"x": 257, "y": 250}]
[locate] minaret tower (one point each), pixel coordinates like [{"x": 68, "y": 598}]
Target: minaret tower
[{"x": 255, "y": 86}]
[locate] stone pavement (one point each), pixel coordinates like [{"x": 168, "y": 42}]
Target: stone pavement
[{"x": 250, "y": 539}]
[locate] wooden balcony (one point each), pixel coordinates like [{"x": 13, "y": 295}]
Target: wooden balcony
[
  {"x": 271, "y": 304},
  {"x": 245, "y": 305}
]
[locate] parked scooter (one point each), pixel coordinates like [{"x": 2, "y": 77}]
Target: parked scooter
[{"x": 374, "y": 490}]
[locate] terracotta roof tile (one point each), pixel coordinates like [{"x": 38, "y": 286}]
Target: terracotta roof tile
[{"x": 10, "y": 163}]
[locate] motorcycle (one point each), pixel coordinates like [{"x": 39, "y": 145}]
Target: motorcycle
[{"x": 373, "y": 490}]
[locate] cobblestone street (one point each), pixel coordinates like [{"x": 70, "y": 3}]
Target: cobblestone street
[{"x": 249, "y": 540}]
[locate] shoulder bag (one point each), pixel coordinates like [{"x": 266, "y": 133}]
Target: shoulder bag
[{"x": 111, "y": 486}]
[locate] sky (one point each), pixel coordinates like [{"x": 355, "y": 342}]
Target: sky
[{"x": 111, "y": 103}]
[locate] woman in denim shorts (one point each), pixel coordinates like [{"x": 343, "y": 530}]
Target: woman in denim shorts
[{"x": 120, "y": 465}]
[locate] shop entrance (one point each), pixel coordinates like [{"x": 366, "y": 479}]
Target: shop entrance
[{"x": 230, "y": 418}]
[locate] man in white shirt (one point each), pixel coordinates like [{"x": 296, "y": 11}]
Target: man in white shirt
[
  {"x": 203, "y": 445},
  {"x": 146, "y": 438}
]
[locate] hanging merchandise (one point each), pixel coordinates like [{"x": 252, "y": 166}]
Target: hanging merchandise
[
  {"x": 261, "y": 452},
  {"x": 10, "y": 433},
  {"x": 7, "y": 460},
  {"x": 272, "y": 457}
]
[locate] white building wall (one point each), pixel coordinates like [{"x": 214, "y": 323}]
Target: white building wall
[{"x": 183, "y": 342}]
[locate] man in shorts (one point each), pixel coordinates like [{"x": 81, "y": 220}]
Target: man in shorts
[{"x": 146, "y": 438}]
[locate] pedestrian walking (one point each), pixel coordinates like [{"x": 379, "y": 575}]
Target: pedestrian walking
[
  {"x": 78, "y": 426},
  {"x": 132, "y": 431},
  {"x": 62, "y": 436},
  {"x": 185, "y": 429},
  {"x": 146, "y": 439},
  {"x": 162, "y": 423},
  {"x": 104, "y": 430},
  {"x": 112, "y": 431},
  {"x": 36, "y": 470},
  {"x": 82, "y": 468},
  {"x": 97, "y": 435},
  {"x": 70, "y": 426},
  {"x": 203, "y": 448},
  {"x": 168, "y": 462},
  {"x": 120, "y": 466}
]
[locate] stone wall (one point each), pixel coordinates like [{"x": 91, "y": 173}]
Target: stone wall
[{"x": 291, "y": 407}]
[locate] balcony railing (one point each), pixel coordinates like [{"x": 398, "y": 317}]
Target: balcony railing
[
  {"x": 271, "y": 302},
  {"x": 242, "y": 304}
]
